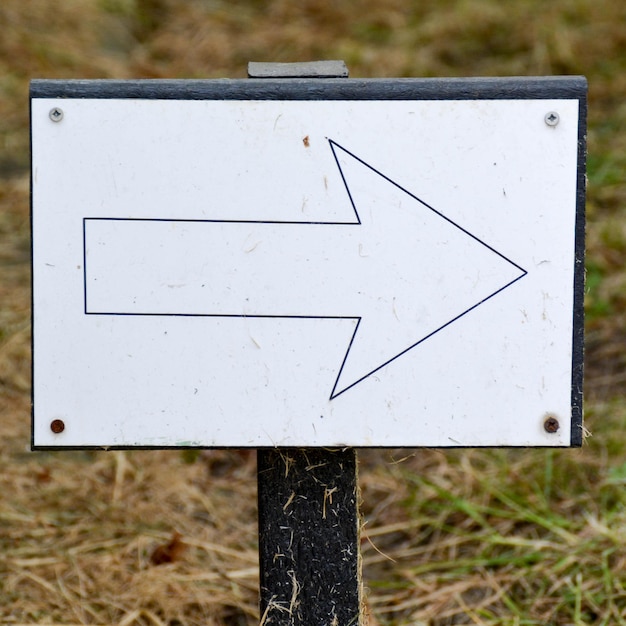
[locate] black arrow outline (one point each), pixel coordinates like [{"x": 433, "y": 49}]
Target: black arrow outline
[{"x": 333, "y": 146}]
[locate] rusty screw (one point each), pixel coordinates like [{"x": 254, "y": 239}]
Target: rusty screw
[
  {"x": 57, "y": 426},
  {"x": 551, "y": 425}
]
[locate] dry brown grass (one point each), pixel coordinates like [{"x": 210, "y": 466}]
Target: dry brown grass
[{"x": 475, "y": 537}]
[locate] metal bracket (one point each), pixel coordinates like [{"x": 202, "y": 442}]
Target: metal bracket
[{"x": 312, "y": 69}]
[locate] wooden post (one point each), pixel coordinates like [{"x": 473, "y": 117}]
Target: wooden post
[
  {"x": 309, "y": 537},
  {"x": 309, "y": 527}
]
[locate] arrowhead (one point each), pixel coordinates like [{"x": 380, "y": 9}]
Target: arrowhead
[{"x": 425, "y": 270}]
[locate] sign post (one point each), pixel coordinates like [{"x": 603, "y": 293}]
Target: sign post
[{"x": 309, "y": 552}]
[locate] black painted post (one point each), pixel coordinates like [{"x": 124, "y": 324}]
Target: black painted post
[
  {"x": 309, "y": 537},
  {"x": 309, "y": 524}
]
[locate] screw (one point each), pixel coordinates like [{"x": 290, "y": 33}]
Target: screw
[
  {"x": 551, "y": 425},
  {"x": 57, "y": 426},
  {"x": 56, "y": 114},
  {"x": 551, "y": 118}
]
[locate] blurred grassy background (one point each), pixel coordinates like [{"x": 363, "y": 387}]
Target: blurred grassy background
[{"x": 456, "y": 537}]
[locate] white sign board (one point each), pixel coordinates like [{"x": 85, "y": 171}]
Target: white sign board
[{"x": 239, "y": 269}]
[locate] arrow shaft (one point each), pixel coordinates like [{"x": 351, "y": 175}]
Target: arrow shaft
[{"x": 218, "y": 268}]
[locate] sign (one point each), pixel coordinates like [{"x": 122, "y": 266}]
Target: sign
[{"x": 264, "y": 263}]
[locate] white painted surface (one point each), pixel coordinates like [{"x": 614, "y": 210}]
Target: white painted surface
[{"x": 227, "y": 330}]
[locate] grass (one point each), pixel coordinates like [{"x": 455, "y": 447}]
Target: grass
[{"x": 508, "y": 537}]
